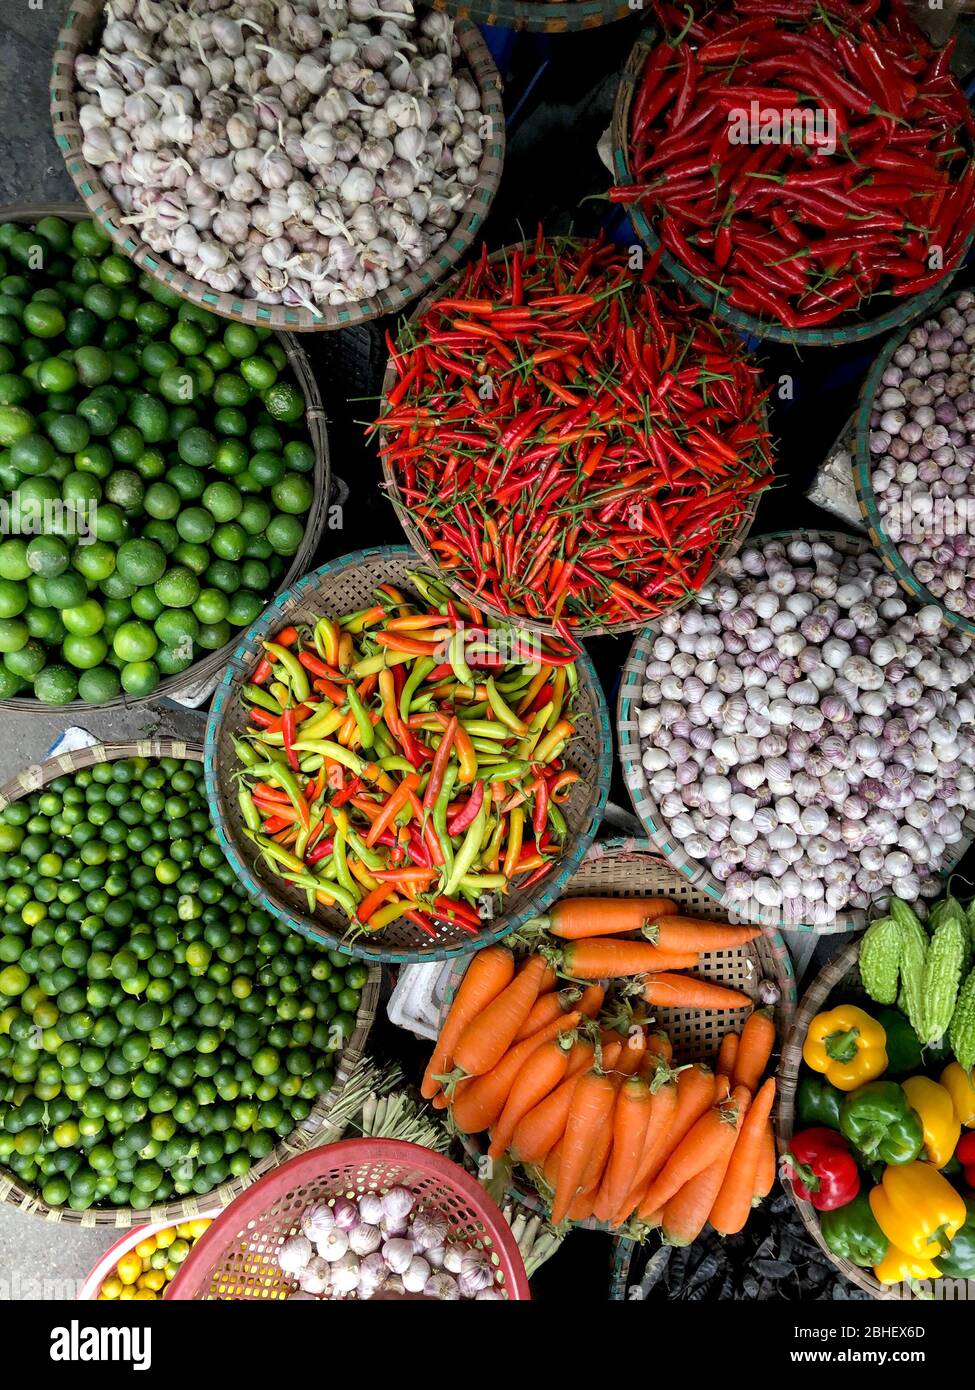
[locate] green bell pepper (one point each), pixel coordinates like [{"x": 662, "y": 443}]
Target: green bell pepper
[
  {"x": 903, "y": 1048},
  {"x": 959, "y": 1262},
  {"x": 879, "y": 1121},
  {"x": 852, "y": 1232},
  {"x": 818, "y": 1103}
]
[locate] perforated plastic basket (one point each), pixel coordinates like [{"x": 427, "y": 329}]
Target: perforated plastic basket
[{"x": 237, "y": 1258}]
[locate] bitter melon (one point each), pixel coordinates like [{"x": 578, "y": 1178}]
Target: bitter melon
[
  {"x": 914, "y": 952},
  {"x": 942, "y": 974},
  {"x": 880, "y": 959},
  {"x": 962, "y": 1032}
]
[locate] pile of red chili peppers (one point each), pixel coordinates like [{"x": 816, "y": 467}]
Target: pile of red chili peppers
[
  {"x": 576, "y": 442},
  {"x": 793, "y": 229},
  {"x": 406, "y": 761}
]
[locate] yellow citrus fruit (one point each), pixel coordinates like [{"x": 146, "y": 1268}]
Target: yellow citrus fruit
[
  {"x": 127, "y": 1293},
  {"x": 144, "y": 1295},
  {"x": 196, "y": 1228},
  {"x": 112, "y": 1287},
  {"x": 129, "y": 1267},
  {"x": 165, "y": 1238},
  {"x": 155, "y": 1279},
  {"x": 145, "y": 1248}
]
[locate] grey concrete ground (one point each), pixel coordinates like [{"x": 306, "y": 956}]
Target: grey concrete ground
[{"x": 31, "y": 170}]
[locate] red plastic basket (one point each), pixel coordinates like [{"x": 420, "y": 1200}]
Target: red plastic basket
[{"x": 237, "y": 1258}]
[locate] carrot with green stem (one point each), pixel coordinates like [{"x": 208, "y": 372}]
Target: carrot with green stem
[
  {"x": 755, "y": 1049},
  {"x": 491, "y": 1032},
  {"x": 681, "y": 934},
  {"x": 548, "y": 1006},
  {"x": 668, "y": 991},
  {"x": 592, "y": 1103},
  {"x": 734, "y": 1200},
  {"x": 725, "y": 1065},
  {"x": 572, "y": 918},
  {"x": 479, "y": 1104},
  {"x": 677, "y": 1101},
  {"x": 631, "y": 1119},
  {"x": 765, "y": 1174},
  {"x": 488, "y": 974},
  {"x": 600, "y": 958},
  {"x": 711, "y": 1138},
  {"x": 538, "y": 1131},
  {"x": 539, "y": 1075},
  {"x": 684, "y": 1217}
]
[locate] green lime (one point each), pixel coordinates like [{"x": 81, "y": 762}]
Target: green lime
[
  {"x": 231, "y": 390},
  {"x": 26, "y": 662},
  {"x": 161, "y": 501},
  {"x": 134, "y": 642},
  {"x": 84, "y": 653},
  {"x": 66, "y": 590},
  {"x": 98, "y": 685},
  {"x": 43, "y": 320},
  {"x": 254, "y": 516},
  {"x": 293, "y": 494},
  {"x": 150, "y": 417},
  {"x": 283, "y": 401},
  {"x": 245, "y": 606},
  {"x": 197, "y": 447},
  {"x": 222, "y": 501},
  {"x": 228, "y": 421},
  {"x": 69, "y": 433},
  {"x": 299, "y": 455},
  {"x": 146, "y": 605},
  {"x": 196, "y": 525},
  {"x": 85, "y": 619},
  {"x": 178, "y": 587},
  {"x": 285, "y": 534},
  {"x": 47, "y": 556},
  {"x": 260, "y": 373},
  {"x": 15, "y": 422},
  {"x": 93, "y": 364},
  {"x": 240, "y": 340},
  {"x": 56, "y": 685},
  {"x": 32, "y": 454},
  {"x": 13, "y": 598},
  {"x": 141, "y": 562},
  {"x": 96, "y": 561},
  {"x": 211, "y": 606}
]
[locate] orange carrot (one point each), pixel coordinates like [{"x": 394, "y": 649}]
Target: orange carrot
[
  {"x": 684, "y": 1217},
  {"x": 478, "y": 1106},
  {"x": 487, "y": 975},
  {"x": 592, "y": 1000},
  {"x": 711, "y": 1138},
  {"x": 592, "y": 1103},
  {"x": 722, "y": 1088},
  {"x": 633, "y": 1053},
  {"x": 691, "y": 934},
  {"x": 690, "y": 992},
  {"x": 659, "y": 1045},
  {"x": 491, "y": 1032},
  {"x": 676, "y": 1107},
  {"x": 553, "y": 1162},
  {"x": 599, "y": 958},
  {"x": 539, "y": 1075},
  {"x": 734, "y": 1201},
  {"x": 545, "y": 1008},
  {"x": 765, "y": 1176},
  {"x": 631, "y": 1119},
  {"x": 537, "y": 1132},
  {"x": 572, "y": 918},
  {"x": 757, "y": 1041},
  {"x": 725, "y": 1064}
]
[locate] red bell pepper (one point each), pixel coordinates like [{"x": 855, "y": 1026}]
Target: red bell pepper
[
  {"x": 822, "y": 1169},
  {"x": 965, "y": 1154}
]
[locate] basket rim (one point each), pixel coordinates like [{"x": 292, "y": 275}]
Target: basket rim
[
  {"x": 863, "y": 482},
  {"x": 548, "y": 889},
  {"x": 787, "y": 1079},
  {"x": 99, "y": 1271},
  {"x": 316, "y": 423},
  {"x": 739, "y": 318},
  {"x": 414, "y": 536},
  {"x": 14, "y": 1192},
  {"x": 532, "y": 16},
  {"x": 784, "y": 1009},
  {"x": 63, "y": 107},
  {"x": 645, "y": 807},
  {"x": 249, "y": 1205}
]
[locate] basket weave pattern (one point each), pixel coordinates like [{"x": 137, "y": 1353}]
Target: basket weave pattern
[
  {"x": 537, "y": 16},
  {"x": 630, "y": 747},
  {"x": 237, "y": 1258},
  {"x": 840, "y": 973},
  {"x": 212, "y": 662},
  {"x": 339, "y": 588},
  {"x": 81, "y": 25},
  {"x": 310, "y": 1132}
]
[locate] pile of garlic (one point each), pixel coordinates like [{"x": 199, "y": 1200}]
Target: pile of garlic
[
  {"x": 298, "y": 152},
  {"x": 385, "y": 1244}
]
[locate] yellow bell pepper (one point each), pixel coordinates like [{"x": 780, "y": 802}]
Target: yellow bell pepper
[
  {"x": 917, "y": 1209},
  {"x": 897, "y": 1266},
  {"x": 847, "y": 1046},
  {"x": 942, "y": 1129},
  {"x": 958, "y": 1083}
]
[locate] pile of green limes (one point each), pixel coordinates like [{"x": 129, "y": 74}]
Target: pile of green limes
[
  {"x": 155, "y": 470},
  {"x": 158, "y": 1035}
]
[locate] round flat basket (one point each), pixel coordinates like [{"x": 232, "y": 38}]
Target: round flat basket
[
  {"x": 310, "y": 1132},
  {"x": 237, "y": 1258},
  {"x": 537, "y": 16},
  {"x": 104, "y": 1267},
  {"x": 633, "y": 868},
  {"x": 830, "y": 335},
  {"x": 867, "y": 497},
  {"x": 840, "y": 973},
  {"x": 213, "y": 662},
  {"x": 627, "y": 731},
  {"x": 419, "y": 543},
  {"x": 83, "y": 24},
  {"x": 338, "y": 588}
]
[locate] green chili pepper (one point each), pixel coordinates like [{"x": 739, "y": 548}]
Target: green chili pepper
[
  {"x": 396, "y": 763},
  {"x": 502, "y": 772},
  {"x": 246, "y": 752},
  {"x": 440, "y": 816},
  {"x": 535, "y": 730},
  {"x": 369, "y": 857},
  {"x": 505, "y": 715},
  {"x": 286, "y": 780},
  {"x": 421, "y": 669},
  {"x": 276, "y": 852},
  {"x": 485, "y": 728},
  {"x": 559, "y": 824},
  {"x": 299, "y": 676},
  {"x": 458, "y": 663},
  {"x": 334, "y": 751},
  {"x": 250, "y": 813},
  {"x": 363, "y": 722},
  {"x": 343, "y": 872},
  {"x": 467, "y": 853},
  {"x": 256, "y": 696},
  {"x": 483, "y": 883},
  {"x": 345, "y": 900}
]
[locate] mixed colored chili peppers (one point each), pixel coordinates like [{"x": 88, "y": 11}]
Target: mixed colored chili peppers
[
  {"x": 575, "y": 443},
  {"x": 803, "y": 157},
  {"x": 406, "y": 760}
]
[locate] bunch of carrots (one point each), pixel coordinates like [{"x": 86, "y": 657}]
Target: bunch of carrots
[{"x": 589, "y": 1100}]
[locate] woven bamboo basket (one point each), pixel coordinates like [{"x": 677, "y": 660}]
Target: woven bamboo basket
[
  {"x": 419, "y": 544},
  {"x": 633, "y": 868},
  {"x": 82, "y": 24},
  {"x": 830, "y": 335},
  {"x": 629, "y": 700},
  {"x": 310, "y": 1133},
  {"x": 842, "y": 973},
  {"x": 863, "y": 482},
  {"x": 537, "y": 16},
  {"x": 342, "y": 587},
  {"x": 213, "y": 662}
]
